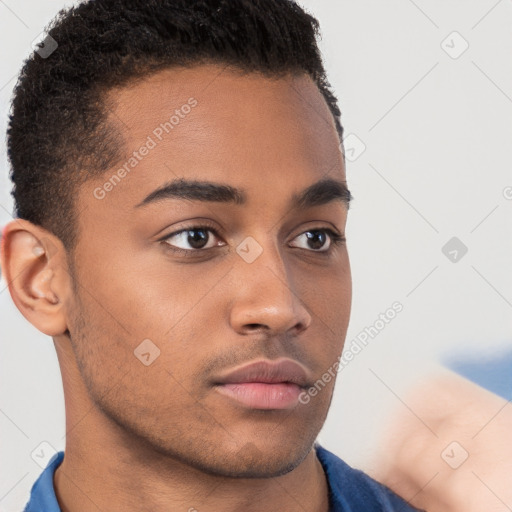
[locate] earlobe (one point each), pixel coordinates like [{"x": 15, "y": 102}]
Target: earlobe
[{"x": 34, "y": 269}]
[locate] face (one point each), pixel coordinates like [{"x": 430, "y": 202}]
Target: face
[{"x": 180, "y": 286}]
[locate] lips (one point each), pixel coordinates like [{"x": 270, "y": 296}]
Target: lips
[{"x": 267, "y": 385}]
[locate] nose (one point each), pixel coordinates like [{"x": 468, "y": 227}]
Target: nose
[{"x": 266, "y": 299}]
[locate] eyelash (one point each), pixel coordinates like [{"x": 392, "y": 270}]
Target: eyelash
[{"x": 336, "y": 239}]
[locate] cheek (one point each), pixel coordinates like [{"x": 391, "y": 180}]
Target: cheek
[
  {"x": 328, "y": 297},
  {"x": 149, "y": 331},
  {"x": 331, "y": 305},
  {"x": 145, "y": 293},
  {"x": 102, "y": 344},
  {"x": 129, "y": 377}
]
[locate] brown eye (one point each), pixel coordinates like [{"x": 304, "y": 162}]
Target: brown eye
[
  {"x": 194, "y": 238},
  {"x": 320, "y": 240}
]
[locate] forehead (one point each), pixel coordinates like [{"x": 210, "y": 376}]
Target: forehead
[
  {"x": 219, "y": 89},
  {"x": 214, "y": 123}
]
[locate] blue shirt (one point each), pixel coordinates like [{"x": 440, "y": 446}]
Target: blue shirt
[{"x": 350, "y": 490}]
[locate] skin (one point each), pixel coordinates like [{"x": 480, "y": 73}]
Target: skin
[{"x": 160, "y": 437}]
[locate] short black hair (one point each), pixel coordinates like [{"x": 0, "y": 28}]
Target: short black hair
[{"x": 59, "y": 135}]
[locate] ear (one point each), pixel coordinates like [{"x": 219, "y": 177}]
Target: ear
[{"x": 34, "y": 265}]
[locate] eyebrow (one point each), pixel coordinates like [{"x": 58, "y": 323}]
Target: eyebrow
[{"x": 322, "y": 192}]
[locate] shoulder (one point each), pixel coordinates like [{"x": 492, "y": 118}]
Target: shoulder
[{"x": 353, "y": 490}]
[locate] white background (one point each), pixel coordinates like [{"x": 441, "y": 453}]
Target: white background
[{"x": 437, "y": 164}]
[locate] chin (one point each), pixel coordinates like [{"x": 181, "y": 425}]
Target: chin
[{"x": 252, "y": 461}]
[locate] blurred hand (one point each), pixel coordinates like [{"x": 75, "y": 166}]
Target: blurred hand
[{"x": 453, "y": 453}]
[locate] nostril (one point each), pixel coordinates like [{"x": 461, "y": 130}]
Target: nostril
[{"x": 254, "y": 326}]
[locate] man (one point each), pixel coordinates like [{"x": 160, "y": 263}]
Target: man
[{"x": 181, "y": 200}]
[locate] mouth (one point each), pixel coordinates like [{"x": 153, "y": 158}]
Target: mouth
[{"x": 265, "y": 385}]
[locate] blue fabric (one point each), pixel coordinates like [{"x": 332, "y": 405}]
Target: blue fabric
[
  {"x": 350, "y": 490},
  {"x": 42, "y": 495}
]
